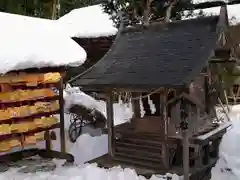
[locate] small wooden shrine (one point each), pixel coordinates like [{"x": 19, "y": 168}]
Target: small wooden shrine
[
  {"x": 29, "y": 99},
  {"x": 173, "y": 67}
]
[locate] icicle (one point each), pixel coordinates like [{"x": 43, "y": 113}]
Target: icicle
[
  {"x": 120, "y": 99},
  {"x": 151, "y": 105},
  {"x": 142, "y": 111}
]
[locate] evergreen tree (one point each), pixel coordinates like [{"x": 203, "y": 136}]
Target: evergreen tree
[
  {"x": 68, "y": 5},
  {"x": 144, "y": 11}
]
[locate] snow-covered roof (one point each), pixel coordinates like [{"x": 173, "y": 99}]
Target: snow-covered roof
[
  {"x": 204, "y": 1},
  {"x": 22, "y": 19},
  {"x": 89, "y": 21},
  {"x": 27, "y": 42},
  {"x": 233, "y": 13}
]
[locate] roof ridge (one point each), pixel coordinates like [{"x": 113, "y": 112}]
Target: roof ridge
[{"x": 199, "y": 20}]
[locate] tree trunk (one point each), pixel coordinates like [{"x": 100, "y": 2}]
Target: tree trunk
[
  {"x": 146, "y": 12},
  {"x": 169, "y": 10},
  {"x": 54, "y": 9}
]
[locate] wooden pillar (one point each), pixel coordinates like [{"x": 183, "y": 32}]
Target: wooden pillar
[
  {"x": 206, "y": 90},
  {"x": 215, "y": 145},
  {"x": 47, "y": 140},
  {"x": 198, "y": 152},
  {"x": 185, "y": 141},
  {"x": 110, "y": 124},
  {"x": 62, "y": 126},
  {"x": 185, "y": 154},
  {"x": 163, "y": 98},
  {"x": 206, "y": 158}
]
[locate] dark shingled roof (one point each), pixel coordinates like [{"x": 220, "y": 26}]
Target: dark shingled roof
[{"x": 155, "y": 56}]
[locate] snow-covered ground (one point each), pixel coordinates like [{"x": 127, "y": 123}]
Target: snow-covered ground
[
  {"x": 228, "y": 165},
  {"x": 81, "y": 172}
]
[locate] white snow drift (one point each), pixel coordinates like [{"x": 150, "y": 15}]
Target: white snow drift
[
  {"x": 89, "y": 21},
  {"x": 233, "y": 13},
  {"x": 27, "y": 42}
]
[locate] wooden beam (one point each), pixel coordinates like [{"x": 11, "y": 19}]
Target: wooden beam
[
  {"x": 185, "y": 145},
  {"x": 221, "y": 61},
  {"x": 138, "y": 90},
  {"x": 206, "y": 92},
  {"x": 110, "y": 124},
  {"x": 62, "y": 126},
  {"x": 187, "y": 97}
]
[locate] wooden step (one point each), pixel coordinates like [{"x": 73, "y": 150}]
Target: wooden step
[
  {"x": 139, "y": 153},
  {"x": 142, "y": 140},
  {"x": 140, "y": 158},
  {"x": 140, "y": 135},
  {"x": 138, "y": 162},
  {"x": 138, "y": 146}
]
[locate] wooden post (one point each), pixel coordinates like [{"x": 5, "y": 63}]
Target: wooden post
[
  {"x": 206, "y": 90},
  {"x": 110, "y": 124},
  {"x": 47, "y": 140},
  {"x": 185, "y": 144},
  {"x": 62, "y": 128},
  {"x": 165, "y": 119}
]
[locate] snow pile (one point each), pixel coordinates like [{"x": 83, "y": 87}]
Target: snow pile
[
  {"x": 231, "y": 110},
  {"x": 228, "y": 165},
  {"x": 83, "y": 172},
  {"x": 89, "y": 147},
  {"x": 233, "y": 13},
  {"x": 32, "y": 42},
  {"x": 89, "y": 21},
  {"x": 73, "y": 95}
]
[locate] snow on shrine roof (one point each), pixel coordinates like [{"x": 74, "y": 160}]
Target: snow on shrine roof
[
  {"x": 233, "y": 13},
  {"x": 89, "y": 21},
  {"x": 27, "y": 42}
]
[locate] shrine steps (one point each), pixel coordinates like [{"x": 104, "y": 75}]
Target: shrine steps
[{"x": 139, "y": 151}]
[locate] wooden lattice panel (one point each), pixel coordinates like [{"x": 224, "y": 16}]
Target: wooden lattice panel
[{"x": 27, "y": 106}]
